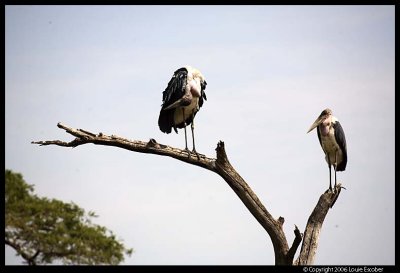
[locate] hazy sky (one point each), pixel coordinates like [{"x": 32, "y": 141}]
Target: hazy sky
[{"x": 270, "y": 70}]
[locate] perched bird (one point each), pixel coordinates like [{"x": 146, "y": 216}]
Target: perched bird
[
  {"x": 333, "y": 141},
  {"x": 182, "y": 99}
]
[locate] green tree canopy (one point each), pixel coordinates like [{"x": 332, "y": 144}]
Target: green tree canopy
[{"x": 43, "y": 230}]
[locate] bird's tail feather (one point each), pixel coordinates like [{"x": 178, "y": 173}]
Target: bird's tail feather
[{"x": 165, "y": 120}]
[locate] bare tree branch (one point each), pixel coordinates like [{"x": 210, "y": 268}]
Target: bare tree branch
[
  {"x": 222, "y": 166},
  {"x": 151, "y": 147},
  {"x": 314, "y": 225},
  {"x": 251, "y": 201},
  {"x": 297, "y": 240}
]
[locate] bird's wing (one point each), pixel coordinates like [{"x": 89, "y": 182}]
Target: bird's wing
[
  {"x": 341, "y": 141},
  {"x": 203, "y": 94},
  {"x": 176, "y": 87}
]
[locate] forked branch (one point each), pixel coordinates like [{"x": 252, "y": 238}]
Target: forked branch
[{"x": 221, "y": 165}]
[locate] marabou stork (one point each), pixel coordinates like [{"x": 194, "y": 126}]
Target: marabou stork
[
  {"x": 182, "y": 99},
  {"x": 333, "y": 141}
]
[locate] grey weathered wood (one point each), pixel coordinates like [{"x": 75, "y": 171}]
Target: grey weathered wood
[
  {"x": 314, "y": 225},
  {"x": 221, "y": 165}
]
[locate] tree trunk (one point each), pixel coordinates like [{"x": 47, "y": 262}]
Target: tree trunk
[{"x": 221, "y": 165}]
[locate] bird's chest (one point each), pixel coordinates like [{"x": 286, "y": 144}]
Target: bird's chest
[
  {"x": 182, "y": 113},
  {"x": 328, "y": 142},
  {"x": 331, "y": 148}
]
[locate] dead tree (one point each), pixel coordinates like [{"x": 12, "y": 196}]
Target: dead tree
[{"x": 284, "y": 255}]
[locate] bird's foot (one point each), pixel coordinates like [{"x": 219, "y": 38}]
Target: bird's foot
[
  {"x": 193, "y": 152},
  {"x": 197, "y": 154},
  {"x": 188, "y": 151},
  {"x": 329, "y": 190},
  {"x": 339, "y": 186}
]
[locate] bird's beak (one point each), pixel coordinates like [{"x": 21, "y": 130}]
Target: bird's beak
[
  {"x": 317, "y": 122},
  {"x": 174, "y": 105}
]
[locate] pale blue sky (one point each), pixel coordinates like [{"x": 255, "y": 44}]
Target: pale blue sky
[{"x": 270, "y": 70}]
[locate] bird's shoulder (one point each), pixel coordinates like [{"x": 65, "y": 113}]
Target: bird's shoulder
[
  {"x": 176, "y": 86},
  {"x": 339, "y": 134}
]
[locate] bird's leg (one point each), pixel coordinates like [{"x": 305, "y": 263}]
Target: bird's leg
[
  {"x": 335, "y": 166},
  {"x": 194, "y": 147},
  {"x": 186, "y": 147},
  {"x": 330, "y": 174},
  {"x": 184, "y": 126}
]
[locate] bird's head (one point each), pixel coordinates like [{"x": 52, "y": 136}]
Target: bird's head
[
  {"x": 324, "y": 116},
  {"x": 195, "y": 73}
]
